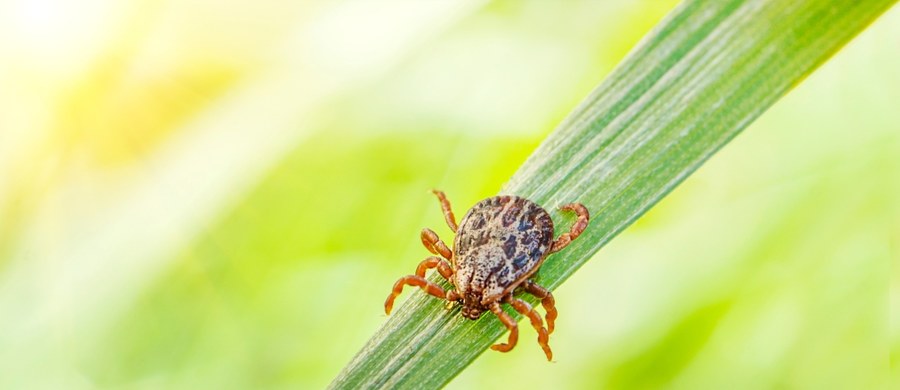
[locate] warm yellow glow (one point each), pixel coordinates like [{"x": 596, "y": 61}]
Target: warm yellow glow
[{"x": 205, "y": 194}]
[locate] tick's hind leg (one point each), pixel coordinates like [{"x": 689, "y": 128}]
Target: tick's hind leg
[
  {"x": 445, "y": 207},
  {"x": 510, "y": 324},
  {"x": 525, "y": 309},
  {"x": 547, "y": 301},
  {"x": 580, "y": 224},
  {"x": 413, "y": 280},
  {"x": 434, "y": 244}
]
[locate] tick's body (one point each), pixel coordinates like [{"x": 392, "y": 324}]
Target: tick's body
[{"x": 500, "y": 243}]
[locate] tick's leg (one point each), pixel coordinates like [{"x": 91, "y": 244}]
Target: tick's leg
[
  {"x": 434, "y": 244},
  {"x": 435, "y": 262},
  {"x": 580, "y": 224},
  {"x": 547, "y": 301},
  {"x": 525, "y": 309},
  {"x": 412, "y": 280},
  {"x": 510, "y": 324},
  {"x": 445, "y": 206},
  {"x": 453, "y": 296}
]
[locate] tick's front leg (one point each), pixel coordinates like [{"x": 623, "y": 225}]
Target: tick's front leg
[
  {"x": 525, "y": 309},
  {"x": 510, "y": 324},
  {"x": 445, "y": 207},
  {"x": 434, "y": 244},
  {"x": 547, "y": 301},
  {"x": 412, "y": 280},
  {"x": 581, "y": 222}
]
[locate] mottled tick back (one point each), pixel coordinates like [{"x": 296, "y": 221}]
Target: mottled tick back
[{"x": 500, "y": 243}]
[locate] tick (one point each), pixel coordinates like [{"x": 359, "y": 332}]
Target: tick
[{"x": 500, "y": 244}]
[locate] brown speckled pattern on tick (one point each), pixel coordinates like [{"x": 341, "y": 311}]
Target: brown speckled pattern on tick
[{"x": 501, "y": 241}]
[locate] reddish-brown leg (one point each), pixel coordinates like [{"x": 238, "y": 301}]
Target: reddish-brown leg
[
  {"x": 525, "y": 309},
  {"x": 434, "y": 244},
  {"x": 580, "y": 224},
  {"x": 547, "y": 301},
  {"x": 412, "y": 280},
  {"x": 435, "y": 262},
  {"x": 445, "y": 207},
  {"x": 510, "y": 324}
]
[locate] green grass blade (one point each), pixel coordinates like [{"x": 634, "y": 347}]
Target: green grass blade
[{"x": 707, "y": 71}]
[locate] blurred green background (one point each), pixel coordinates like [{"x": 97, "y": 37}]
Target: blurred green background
[{"x": 199, "y": 195}]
